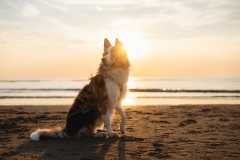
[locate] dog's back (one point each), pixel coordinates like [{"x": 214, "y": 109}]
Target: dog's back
[{"x": 87, "y": 108}]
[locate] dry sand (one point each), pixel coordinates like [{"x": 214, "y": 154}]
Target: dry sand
[{"x": 153, "y": 132}]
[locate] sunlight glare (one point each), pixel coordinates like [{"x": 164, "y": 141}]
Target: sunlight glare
[
  {"x": 133, "y": 44},
  {"x": 131, "y": 83},
  {"x": 129, "y": 100}
]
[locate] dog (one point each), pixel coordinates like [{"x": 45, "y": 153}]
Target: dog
[{"x": 94, "y": 104}]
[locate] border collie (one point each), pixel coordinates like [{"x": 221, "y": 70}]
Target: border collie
[{"x": 95, "y": 103}]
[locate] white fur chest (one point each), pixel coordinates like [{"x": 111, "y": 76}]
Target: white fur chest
[{"x": 113, "y": 92}]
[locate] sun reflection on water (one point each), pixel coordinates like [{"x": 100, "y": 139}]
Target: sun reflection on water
[
  {"x": 130, "y": 97},
  {"x": 131, "y": 82}
]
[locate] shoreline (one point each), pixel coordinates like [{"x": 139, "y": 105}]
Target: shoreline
[
  {"x": 153, "y": 132},
  {"x": 124, "y": 106}
]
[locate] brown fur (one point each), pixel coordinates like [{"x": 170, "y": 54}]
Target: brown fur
[{"x": 93, "y": 97}]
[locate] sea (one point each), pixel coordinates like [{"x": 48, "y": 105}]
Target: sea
[{"x": 142, "y": 91}]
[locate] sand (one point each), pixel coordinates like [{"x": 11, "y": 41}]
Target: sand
[{"x": 153, "y": 132}]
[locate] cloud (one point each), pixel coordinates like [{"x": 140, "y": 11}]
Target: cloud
[
  {"x": 81, "y": 20},
  {"x": 182, "y": 19},
  {"x": 30, "y": 10},
  {"x": 53, "y": 5},
  {"x": 97, "y": 2},
  {"x": 13, "y": 5}
]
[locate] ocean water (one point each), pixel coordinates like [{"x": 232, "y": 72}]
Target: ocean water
[{"x": 142, "y": 91}]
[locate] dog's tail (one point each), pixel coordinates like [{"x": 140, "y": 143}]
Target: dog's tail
[{"x": 49, "y": 133}]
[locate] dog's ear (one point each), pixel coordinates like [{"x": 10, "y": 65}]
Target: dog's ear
[
  {"x": 118, "y": 43},
  {"x": 106, "y": 43}
]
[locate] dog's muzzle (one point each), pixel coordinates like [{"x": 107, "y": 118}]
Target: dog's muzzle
[{"x": 104, "y": 61}]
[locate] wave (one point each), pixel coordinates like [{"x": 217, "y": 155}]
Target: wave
[
  {"x": 6, "y": 90},
  {"x": 186, "y": 90},
  {"x": 188, "y": 97},
  {"x": 140, "y": 97},
  {"x": 36, "y": 89},
  {"x": 42, "y": 80},
  {"x": 34, "y": 97}
]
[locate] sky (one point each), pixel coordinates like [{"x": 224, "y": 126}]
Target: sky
[{"x": 163, "y": 38}]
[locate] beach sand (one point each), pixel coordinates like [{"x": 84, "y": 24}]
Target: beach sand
[{"x": 153, "y": 132}]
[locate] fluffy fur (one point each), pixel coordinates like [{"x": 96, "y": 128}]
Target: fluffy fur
[{"x": 95, "y": 103}]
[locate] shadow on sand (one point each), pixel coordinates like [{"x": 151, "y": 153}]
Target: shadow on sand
[{"x": 83, "y": 148}]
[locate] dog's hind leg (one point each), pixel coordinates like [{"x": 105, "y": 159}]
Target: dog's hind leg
[{"x": 123, "y": 119}]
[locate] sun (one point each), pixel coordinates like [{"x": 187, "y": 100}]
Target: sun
[
  {"x": 133, "y": 47},
  {"x": 133, "y": 44}
]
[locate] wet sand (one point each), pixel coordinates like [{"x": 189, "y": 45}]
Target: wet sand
[{"x": 153, "y": 132}]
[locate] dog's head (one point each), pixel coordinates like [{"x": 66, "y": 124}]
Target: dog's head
[{"x": 114, "y": 56}]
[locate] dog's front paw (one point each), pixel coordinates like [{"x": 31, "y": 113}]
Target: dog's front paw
[
  {"x": 123, "y": 129},
  {"x": 113, "y": 134}
]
